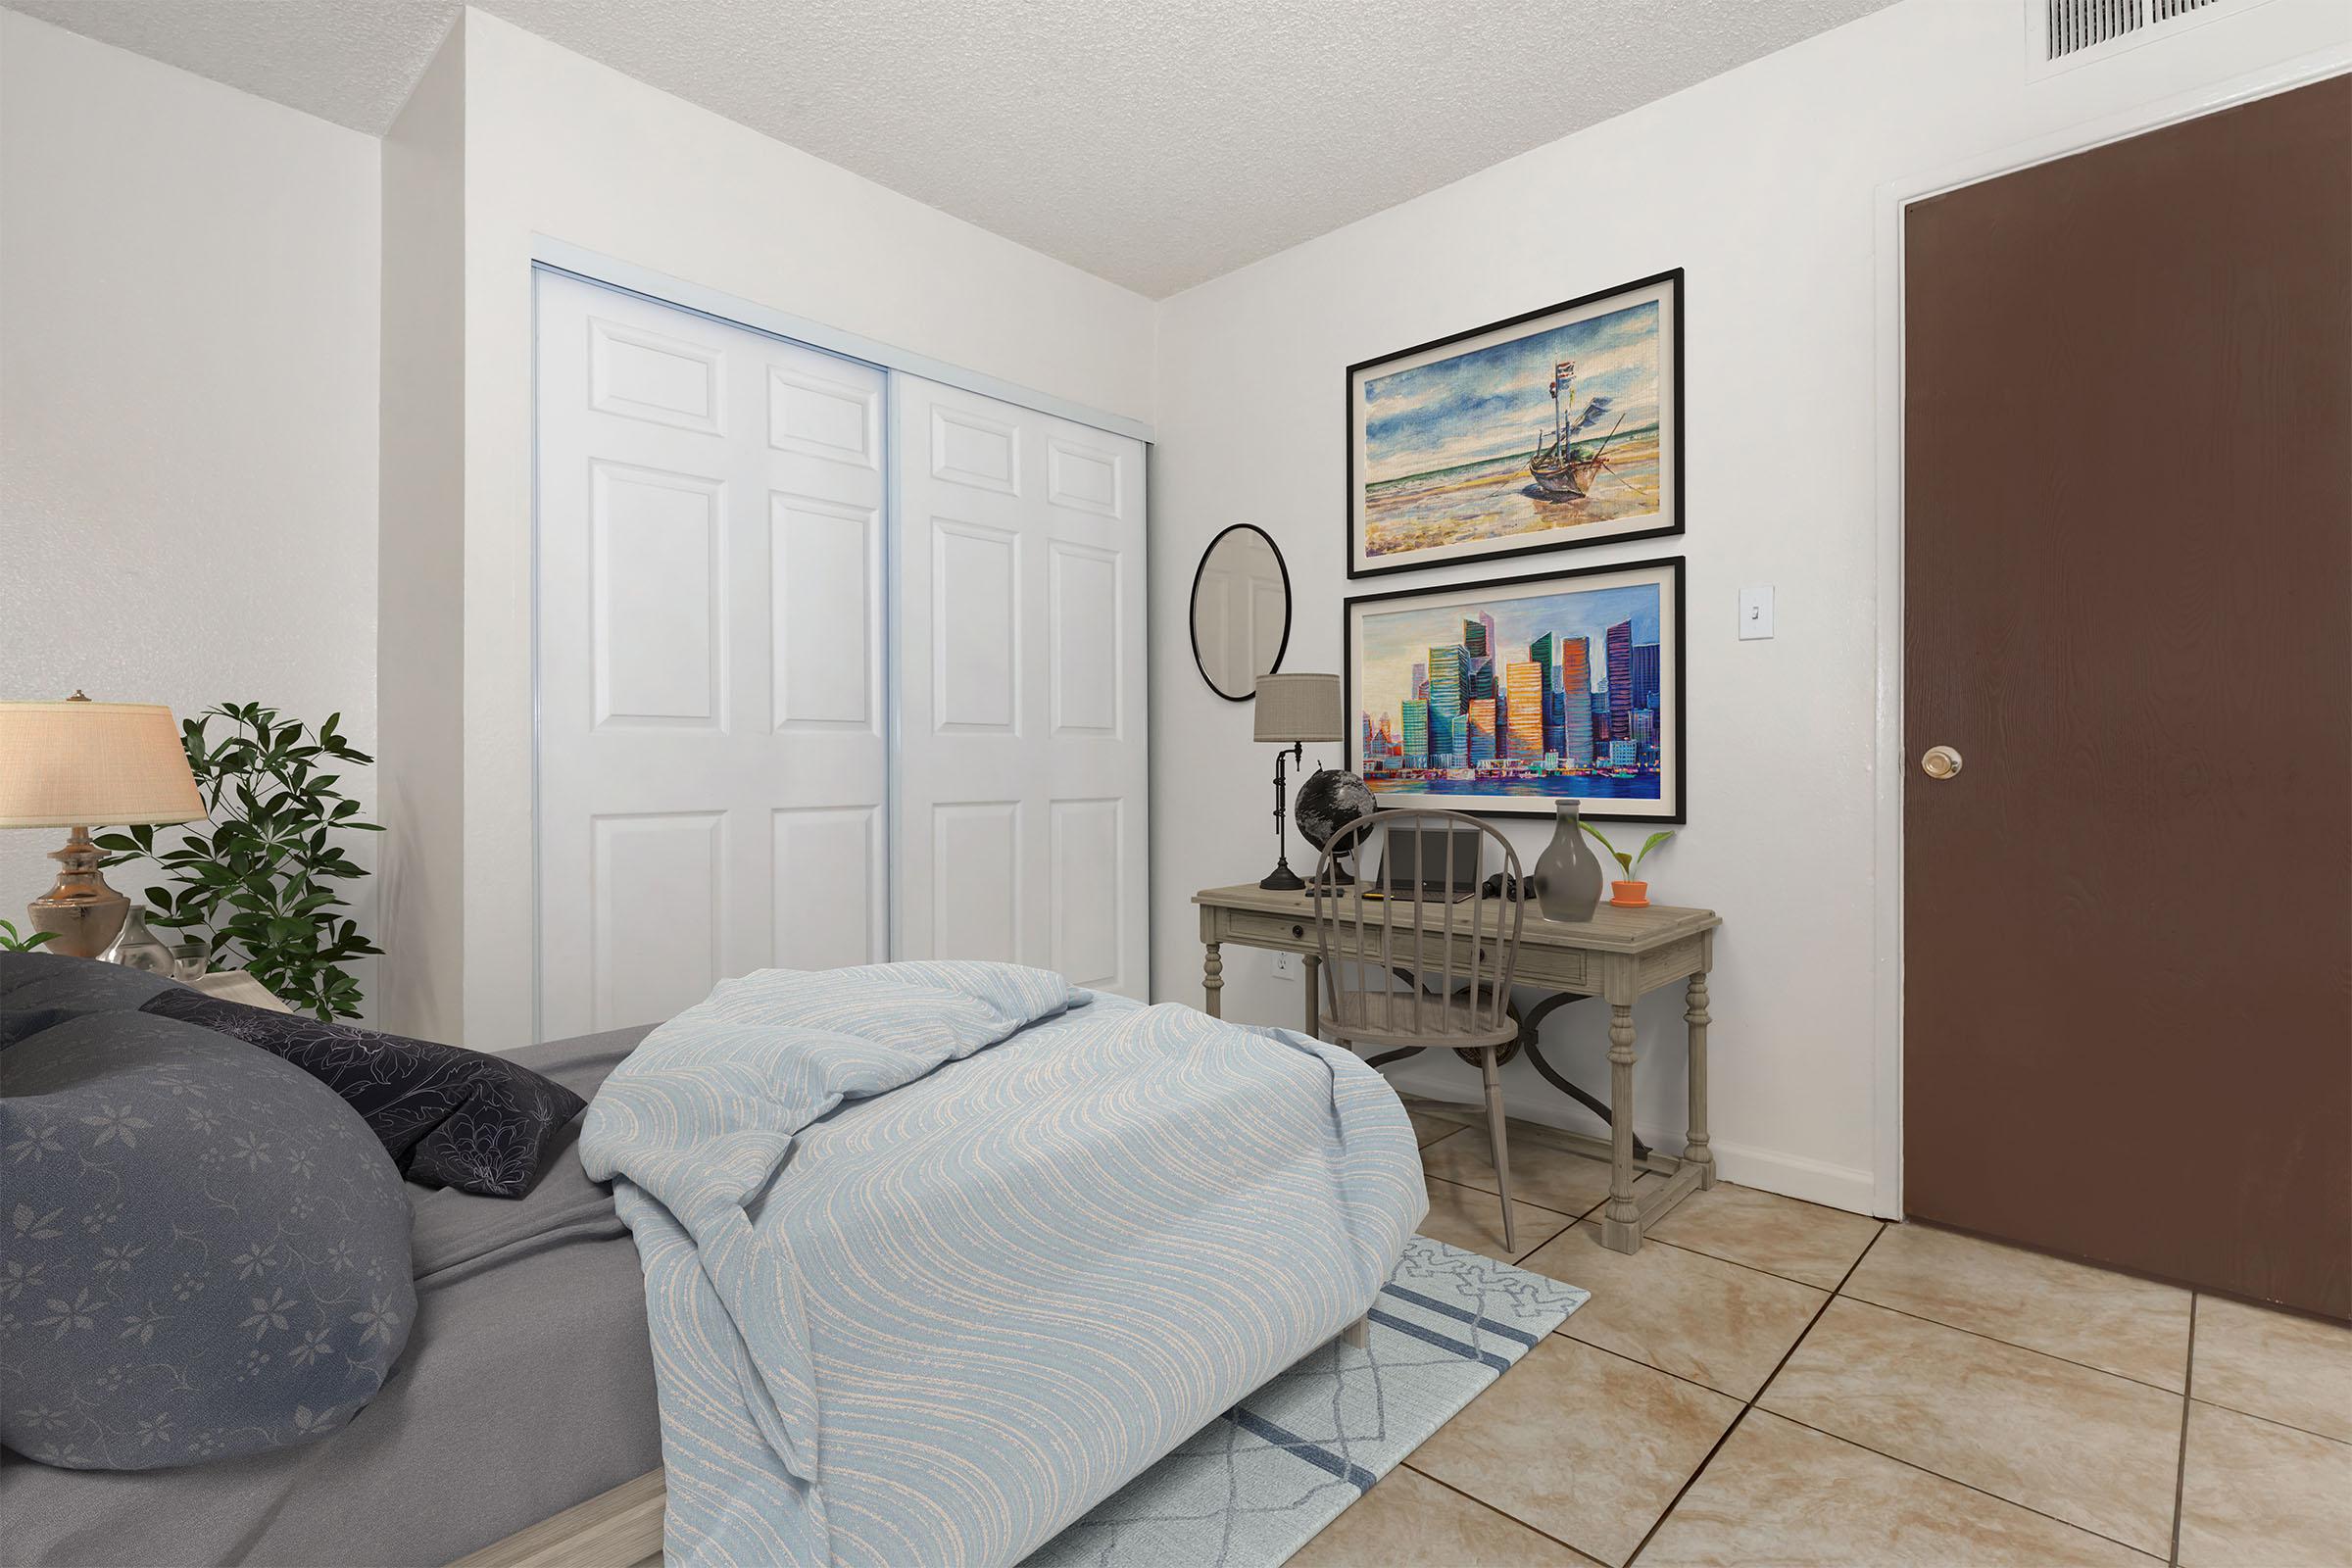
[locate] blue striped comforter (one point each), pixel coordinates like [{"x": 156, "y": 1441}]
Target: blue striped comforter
[{"x": 937, "y": 1255}]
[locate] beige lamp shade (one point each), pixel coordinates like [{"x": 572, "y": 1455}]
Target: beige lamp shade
[
  {"x": 1299, "y": 707},
  {"x": 83, "y": 764}
]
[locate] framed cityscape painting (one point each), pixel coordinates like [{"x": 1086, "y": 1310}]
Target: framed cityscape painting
[
  {"x": 1553, "y": 430},
  {"x": 1508, "y": 695}
]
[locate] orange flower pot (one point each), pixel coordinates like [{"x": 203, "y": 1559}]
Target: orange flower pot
[{"x": 1630, "y": 894}]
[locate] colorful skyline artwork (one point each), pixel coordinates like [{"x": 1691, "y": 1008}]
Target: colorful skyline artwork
[
  {"x": 1552, "y": 430},
  {"x": 1510, "y": 696}
]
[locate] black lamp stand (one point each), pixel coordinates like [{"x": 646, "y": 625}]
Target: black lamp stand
[{"x": 1282, "y": 879}]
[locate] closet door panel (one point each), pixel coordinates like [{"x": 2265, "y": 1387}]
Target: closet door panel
[
  {"x": 710, "y": 622},
  {"x": 839, "y": 848},
  {"x": 1021, "y": 782}
]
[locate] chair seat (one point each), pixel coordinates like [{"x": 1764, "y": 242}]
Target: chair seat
[{"x": 1378, "y": 1020}]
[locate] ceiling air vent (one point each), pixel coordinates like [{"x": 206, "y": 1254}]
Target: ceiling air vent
[{"x": 2065, "y": 33}]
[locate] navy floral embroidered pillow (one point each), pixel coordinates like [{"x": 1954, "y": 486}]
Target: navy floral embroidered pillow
[
  {"x": 203, "y": 1252},
  {"x": 450, "y": 1118}
]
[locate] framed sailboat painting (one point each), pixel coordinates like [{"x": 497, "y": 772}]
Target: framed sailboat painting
[{"x": 1557, "y": 428}]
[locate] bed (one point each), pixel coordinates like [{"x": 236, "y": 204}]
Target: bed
[{"x": 529, "y": 1386}]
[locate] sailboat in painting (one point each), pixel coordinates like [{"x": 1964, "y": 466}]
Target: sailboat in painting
[{"x": 1566, "y": 468}]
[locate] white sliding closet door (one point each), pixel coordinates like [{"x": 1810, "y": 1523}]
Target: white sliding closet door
[
  {"x": 1022, "y": 775},
  {"x": 711, "y": 738}
]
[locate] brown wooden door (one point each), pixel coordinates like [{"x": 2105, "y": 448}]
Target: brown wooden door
[{"x": 2128, "y": 605}]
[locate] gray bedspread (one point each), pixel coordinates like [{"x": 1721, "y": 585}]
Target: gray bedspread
[{"x": 527, "y": 1387}]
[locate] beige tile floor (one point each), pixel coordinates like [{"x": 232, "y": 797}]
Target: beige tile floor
[{"x": 1772, "y": 1382}]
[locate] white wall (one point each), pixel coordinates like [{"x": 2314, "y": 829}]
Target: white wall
[
  {"x": 187, "y": 403},
  {"x": 560, "y": 146},
  {"x": 420, "y": 552},
  {"x": 1762, "y": 183}
]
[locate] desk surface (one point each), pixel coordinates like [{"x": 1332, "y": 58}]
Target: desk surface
[{"x": 1610, "y": 930}]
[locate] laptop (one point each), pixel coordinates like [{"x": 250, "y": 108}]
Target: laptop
[{"x": 1414, "y": 863}]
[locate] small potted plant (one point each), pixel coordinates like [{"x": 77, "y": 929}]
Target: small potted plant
[{"x": 1629, "y": 894}]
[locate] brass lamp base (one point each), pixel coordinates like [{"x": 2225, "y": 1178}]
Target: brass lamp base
[{"x": 86, "y": 914}]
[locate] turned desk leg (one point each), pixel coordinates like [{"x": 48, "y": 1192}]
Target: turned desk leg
[
  {"x": 1621, "y": 1220},
  {"x": 1314, "y": 997},
  {"x": 1212, "y": 981},
  {"x": 1695, "y": 1014}
]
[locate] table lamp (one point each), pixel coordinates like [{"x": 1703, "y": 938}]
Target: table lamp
[
  {"x": 1294, "y": 710},
  {"x": 76, "y": 763}
]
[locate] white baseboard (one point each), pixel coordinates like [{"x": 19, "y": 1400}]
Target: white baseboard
[
  {"x": 1816, "y": 1180},
  {"x": 1770, "y": 1170}
]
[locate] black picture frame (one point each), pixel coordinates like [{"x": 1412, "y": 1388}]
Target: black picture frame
[
  {"x": 1674, "y": 808},
  {"x": 1192, "y": 604},
  {"x": 1673, "y": 519}
]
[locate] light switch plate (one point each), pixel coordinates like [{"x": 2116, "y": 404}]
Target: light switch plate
[{"x": 1755, "y": 612}]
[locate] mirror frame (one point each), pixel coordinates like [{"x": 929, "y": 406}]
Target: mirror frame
[{"x": 1191, "y": 608}]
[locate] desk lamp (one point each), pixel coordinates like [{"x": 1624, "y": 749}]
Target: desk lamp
[
  {"x": 1294, "y": 710},
  {"x": 72, "y": 764}
]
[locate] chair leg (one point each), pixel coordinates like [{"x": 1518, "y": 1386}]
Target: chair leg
[{"x": 1496, "y": 1137}]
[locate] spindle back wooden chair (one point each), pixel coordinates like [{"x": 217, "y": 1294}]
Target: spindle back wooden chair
[{"x": 1369, "y": 937}]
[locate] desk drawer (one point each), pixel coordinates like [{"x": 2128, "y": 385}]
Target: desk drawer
[{"x": 1270, "y": 930}]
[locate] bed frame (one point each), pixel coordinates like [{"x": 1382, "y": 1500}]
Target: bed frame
[
  {"x": 616, "y": 1529},
  {"x": 623, "y": 1528}
]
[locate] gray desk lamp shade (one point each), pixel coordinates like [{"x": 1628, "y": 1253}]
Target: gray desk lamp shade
[
  {"x": 1292, "y": 709},
  {"x": 1300, "y": 708}
]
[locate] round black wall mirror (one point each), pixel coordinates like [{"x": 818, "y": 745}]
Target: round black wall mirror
[{"x": 1240, "y": 611}]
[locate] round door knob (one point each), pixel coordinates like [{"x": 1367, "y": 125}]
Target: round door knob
[{"x": 1941, "y": 763}]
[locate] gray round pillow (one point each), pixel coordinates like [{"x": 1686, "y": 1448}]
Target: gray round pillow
[
  {"x": 41, "y": 989},
  {"x": 204, "y": 1250}
]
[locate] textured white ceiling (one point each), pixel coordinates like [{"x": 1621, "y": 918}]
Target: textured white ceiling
[
  {"x": 1155, "y": 142},
  {"x": 342, "y": 60}
]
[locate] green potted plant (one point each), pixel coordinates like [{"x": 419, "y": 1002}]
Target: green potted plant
[
  {"x": 257, "y": 879},
  {"x": 1629, "y": 894},
  {"x": 10, "y": 942}
]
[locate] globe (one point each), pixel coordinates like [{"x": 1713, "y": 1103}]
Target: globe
[{"x": 1329, "y": 802}]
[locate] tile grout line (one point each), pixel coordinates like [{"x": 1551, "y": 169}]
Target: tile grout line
[
  {"x": 1855, "y": 1442},
  {"x": 1965, "y": 1485},
  {"x": 1691, "y": 1480},
  {"x": 1516, "y": 1203},
  {"x": 2269, "y": 1421},
  {"x": 1594, "y": 1208},
  {"x": 2188, "y": 1384},
  {"x": 1756, "y": 1398},
  {"x": 1406, "y": 1463},
  {"x": 1700, "y": 1251},
  {"x": 1631, "y": 1359},
  {"x": 2029, "y": 1349},
  {"x": 1927, "y": 1470},
  {"x": 1489, "y": 1192},
  {"x": 1842, "y": 1289},
  {"x": 1651, "y": 1241}
]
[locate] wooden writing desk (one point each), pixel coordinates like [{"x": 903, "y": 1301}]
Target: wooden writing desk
[{"x": 1617, "y": 955}]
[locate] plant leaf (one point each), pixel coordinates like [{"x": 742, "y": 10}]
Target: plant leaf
[
  {"x": 256, "y": 880},
  {"x": 1650, "y": 844}
]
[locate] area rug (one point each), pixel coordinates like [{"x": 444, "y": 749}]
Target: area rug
[{"x": 1257, "y": 1483}]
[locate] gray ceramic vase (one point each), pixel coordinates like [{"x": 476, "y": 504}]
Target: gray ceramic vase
[{"x": 1568, "y": 877}]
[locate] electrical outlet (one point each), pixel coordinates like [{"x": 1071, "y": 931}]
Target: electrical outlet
[{"x": 1286, "y": 966}]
